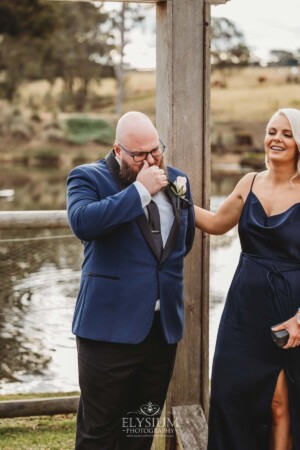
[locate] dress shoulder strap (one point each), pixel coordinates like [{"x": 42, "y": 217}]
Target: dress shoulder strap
[{"x": 253, "y": 179}]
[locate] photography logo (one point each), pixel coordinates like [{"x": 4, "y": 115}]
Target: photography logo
[{"x": 145, "y": 420}]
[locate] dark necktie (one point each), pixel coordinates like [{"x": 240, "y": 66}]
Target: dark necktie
[{"x": 154, "y": 222}]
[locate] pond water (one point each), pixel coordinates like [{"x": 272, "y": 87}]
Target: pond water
[{"x": 40, "y": 274}]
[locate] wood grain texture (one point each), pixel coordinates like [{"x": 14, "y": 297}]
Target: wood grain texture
[
  {"x": 38, "y": 407},
  {"x": 33, "y": 219},
  {"x": 114, "y": 1},
  {"x": 183, "y": 120},
  {"x": 183, "y": 99},
  {"x": 190, "y": 427}
]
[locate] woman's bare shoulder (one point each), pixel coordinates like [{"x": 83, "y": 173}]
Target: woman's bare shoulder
[{"x": 246, "y": 181}]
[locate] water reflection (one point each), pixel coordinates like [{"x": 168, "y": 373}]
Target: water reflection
[
  {"x": 224, "y": 255},
  {"x": 40, "y": 280},
  {"x": 33, "y": 187}
]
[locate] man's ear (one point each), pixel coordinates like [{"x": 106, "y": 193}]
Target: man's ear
[{"x": 117, "y": 150}]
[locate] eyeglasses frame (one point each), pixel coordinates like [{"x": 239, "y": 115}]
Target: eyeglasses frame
[{"x": 132, "y": 154}]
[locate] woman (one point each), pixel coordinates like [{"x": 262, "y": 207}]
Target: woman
[{"x": 255, "y": 392}]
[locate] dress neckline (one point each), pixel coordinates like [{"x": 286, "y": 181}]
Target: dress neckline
[{"x": 273, "y": 215}]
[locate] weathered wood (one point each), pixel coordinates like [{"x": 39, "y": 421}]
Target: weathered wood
[
  {"x": 206, "y": 192},
  {"x": 217, "y": 2},
  {"x": 134, "y": 1},
  {"x": 114, "y": 1},
  {"x": 190, "y": 427},
  {"x": 33, "y": 219},
  {"x": 183, "y": 98},
  {"x": 38, "y": 407}
]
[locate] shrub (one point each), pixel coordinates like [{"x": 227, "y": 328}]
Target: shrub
[
  {"x": 21, "y": 131},
  {"x": 46, "y": 156},
  {"x": 54, "y": 135},
  {"x": 84, "y": 129}
]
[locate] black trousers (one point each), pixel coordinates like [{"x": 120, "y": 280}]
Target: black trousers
[{"x": 123, "y": 389}]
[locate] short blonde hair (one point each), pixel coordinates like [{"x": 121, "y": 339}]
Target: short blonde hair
[{"x": 293, "y": 116}]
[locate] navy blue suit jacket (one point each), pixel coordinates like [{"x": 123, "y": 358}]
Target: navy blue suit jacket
[{"x": 122, "y": 277}]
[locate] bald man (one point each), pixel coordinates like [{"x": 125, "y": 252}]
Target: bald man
[{"x": 133, "y": 216}]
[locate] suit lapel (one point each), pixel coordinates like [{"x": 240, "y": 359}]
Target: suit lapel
[
  {"x": 142, "y": 221},
  {"x": 114, "y": 169},
  {"x": 175, "y": 227}
]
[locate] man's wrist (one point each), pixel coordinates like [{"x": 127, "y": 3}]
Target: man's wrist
[{"x": 144, "y": 194}]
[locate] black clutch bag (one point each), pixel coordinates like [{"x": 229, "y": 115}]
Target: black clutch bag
[{"x": 280, "y": 337}]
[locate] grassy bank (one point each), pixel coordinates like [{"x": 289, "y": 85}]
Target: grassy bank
[
  {"x": 37, "y": 433},
  {"x": 241, "y": 100}
]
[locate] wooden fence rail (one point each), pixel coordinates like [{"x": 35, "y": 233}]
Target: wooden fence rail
[
  {"x": 38, "y": 407},
  {"x": 13, "y": 220}
]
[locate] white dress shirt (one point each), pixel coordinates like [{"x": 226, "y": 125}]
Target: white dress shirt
[{"x": 166, "y": 213}]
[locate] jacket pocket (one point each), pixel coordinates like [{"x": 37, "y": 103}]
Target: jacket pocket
[{"x": 100, "y": 275}]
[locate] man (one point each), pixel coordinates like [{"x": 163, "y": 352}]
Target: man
[{"x": 133, "y": 216}]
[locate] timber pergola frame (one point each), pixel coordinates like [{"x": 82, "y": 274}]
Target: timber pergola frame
[{"x": 183, "y": 122}]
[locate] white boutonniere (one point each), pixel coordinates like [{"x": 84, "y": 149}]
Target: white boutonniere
[{"x": 178, "y": 187}]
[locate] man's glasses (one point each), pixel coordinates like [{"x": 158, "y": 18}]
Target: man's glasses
[{"x": 141, "y": 156}]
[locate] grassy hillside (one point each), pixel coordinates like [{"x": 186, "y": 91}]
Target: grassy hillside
[{"x": 242, "y": 100}]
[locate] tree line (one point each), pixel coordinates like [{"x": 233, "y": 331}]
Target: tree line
[
  {"x": 75, "y": 42},
  {"x": 78, "y": 43}
]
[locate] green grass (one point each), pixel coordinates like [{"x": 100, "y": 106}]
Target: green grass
[
  {"x": 37, "y": 433},
  {"x": 84, "y": 129}
]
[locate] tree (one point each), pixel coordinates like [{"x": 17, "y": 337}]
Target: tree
[
  {"x": 228, "y": 47},
  {"x": 123, "y": 20},
  {"x": 77, "y": 50},
  {"x": 80, "y": 49},
  {"x": 24, "y": 24},
  {"x": 283, "y": 58},
  {"x": 26, "y": 17}
]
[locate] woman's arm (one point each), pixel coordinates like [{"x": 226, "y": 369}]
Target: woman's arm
[{"x": 228, "y": 214}]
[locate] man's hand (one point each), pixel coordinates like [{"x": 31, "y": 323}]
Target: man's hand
[{"x": 152, "y": 177}]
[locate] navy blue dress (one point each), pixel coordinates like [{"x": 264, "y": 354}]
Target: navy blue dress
[{"x": 265, "y": 291}]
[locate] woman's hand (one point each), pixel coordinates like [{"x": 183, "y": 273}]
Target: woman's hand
[{"x": 293, "y": 328}]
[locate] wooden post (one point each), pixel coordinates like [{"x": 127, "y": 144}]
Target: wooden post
[
  {"x": 190, "y": 427},
  {"x": 183, "y": 100}
]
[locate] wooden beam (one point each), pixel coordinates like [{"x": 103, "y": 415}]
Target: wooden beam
[
  {"x": 183, "y": 120},
  {"x": 33, "y": 219},
  {"x": 38, "y": 407},
  {"x": 218, "y": 2},
  {"x": 190, "y": 427},
  {"x": 112, "y": 1}
]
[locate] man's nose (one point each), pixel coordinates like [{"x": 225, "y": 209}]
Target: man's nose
[{"x": 150, "y": 158}]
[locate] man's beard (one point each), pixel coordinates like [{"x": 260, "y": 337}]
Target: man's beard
[{"x": 128, "y": 175}]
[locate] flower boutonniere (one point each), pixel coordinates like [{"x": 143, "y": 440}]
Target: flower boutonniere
[{"x": 178, "y": 187}]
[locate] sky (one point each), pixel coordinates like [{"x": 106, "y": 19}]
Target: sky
[{"x": 266, "y": 24}]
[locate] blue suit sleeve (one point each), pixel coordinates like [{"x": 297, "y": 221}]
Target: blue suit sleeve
[{"x": 91, "y": 216}]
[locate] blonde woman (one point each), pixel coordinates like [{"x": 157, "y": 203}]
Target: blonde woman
[{"x": 255, "y": 392}]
